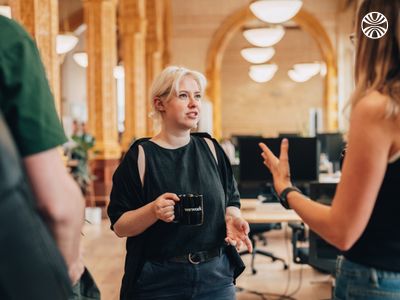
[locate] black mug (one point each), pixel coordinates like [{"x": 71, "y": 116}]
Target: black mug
[{"x": 189, "y": 210}]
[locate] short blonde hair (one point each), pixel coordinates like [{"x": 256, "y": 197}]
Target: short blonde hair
[{"x": 166, "y": 84}]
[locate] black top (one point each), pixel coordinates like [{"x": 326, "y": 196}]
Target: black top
[
  {"x": 188, "y": 169},
  {"x": 379, "y": 245}
]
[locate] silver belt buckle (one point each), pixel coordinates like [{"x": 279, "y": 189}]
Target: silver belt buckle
[{"x": 191, "y": 259}]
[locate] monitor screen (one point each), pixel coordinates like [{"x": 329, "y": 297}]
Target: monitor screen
[
  {"x": 288, "y": 134},
  {"x": 332, "y": 144},
  {"x": 235, "y": 138},
  {"x": 303, "y": 158}
]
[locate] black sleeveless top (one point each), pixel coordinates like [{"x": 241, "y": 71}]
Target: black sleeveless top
[
  {"x": 188, "y": 169},
  {"x": 379, "y": 245},
  {"x": 191, "y": 169}
]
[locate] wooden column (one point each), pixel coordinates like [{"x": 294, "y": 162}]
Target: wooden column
[
  {"x": 167, "y": 20},
  {"x": 100, "y": 17},
  {"x": 154, "y": 49},
  {"x": 40, "y": 19},
  {"x": 132, "y": 27}
]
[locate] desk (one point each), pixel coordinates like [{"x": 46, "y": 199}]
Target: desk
[
  {"x": 253, "y": 211},
  {"x": 256, "y": 212},
  {"x": 259, "y": 215}
]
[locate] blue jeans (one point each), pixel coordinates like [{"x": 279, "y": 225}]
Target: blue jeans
[
  {"x": 183, "y": 281},
  {"x": 86, "y": 288},
  {"x": 359, "y": 282}
]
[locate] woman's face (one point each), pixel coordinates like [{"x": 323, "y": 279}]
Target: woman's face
[{"x": 183, "y": 109}]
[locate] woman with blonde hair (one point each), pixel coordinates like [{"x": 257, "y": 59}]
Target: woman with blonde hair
[
  {"x": 363, "y": 220},
  {"x": 165, "y": 259}
]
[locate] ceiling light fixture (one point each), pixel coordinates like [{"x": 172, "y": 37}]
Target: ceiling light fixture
[
  {"x": 303, "y": 72},
  {"x": 297, "y": 77},
  {"x": 65, "y": 43},
  {"x": 81, "y": 58},
  {"x": 262, "y": 73},
  {"x": 275, "y": 11},
  {"x": 264, "y": 37},
  {"x": 257, "y": 55},
  {"x": 5, "y": 11},
  {"x": 308, "y": 69}
]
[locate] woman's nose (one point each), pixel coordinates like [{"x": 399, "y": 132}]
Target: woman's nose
[{"x": 192, "y": 101}]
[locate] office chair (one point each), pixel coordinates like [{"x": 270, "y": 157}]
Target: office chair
[
  {"x": 304, "y": 254},
  {"x": 319, "y": 254},
  {"x": 300, "y": 253},
  {"x": 258, "y": 230}
]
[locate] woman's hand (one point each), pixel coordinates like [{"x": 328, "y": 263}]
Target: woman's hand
[
  {"x": 279, "y": 168},
  {"x": 237, "y": 230},
  {"x": 163, "y": 207}
]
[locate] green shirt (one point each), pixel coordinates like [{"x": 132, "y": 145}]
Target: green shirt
[{"x": 25, "y": 98}]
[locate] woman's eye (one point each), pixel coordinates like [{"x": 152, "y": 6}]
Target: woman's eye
[
  {"x": 197, "y": 97},
  {"x": 183, "y": 96}
]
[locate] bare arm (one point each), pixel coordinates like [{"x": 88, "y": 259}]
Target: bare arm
[
  {"x": 136, "y": 221},
  {"x": 364, "y": 167},
  {"x": 233, "y": 211},
  {"x": 370, "y": 139},
  {"x": 60, "y": 201}
]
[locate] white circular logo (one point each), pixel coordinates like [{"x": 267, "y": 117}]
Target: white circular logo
[{"x": 374, "y": 25}]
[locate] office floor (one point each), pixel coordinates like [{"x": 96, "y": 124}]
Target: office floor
[{"x": 104, "y": 256}]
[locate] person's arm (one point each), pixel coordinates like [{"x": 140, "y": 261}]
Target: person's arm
[
  {"x": 134, "y": 222},
  {"x": 369, "y": 142},
  {"x": 60, "y": 201}
]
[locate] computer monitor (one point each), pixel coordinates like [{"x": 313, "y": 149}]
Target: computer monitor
[
  {"x": 303, "y": 158},
  {"x": 332, "y": 145},
  {"x": 289, "y": 134},
  {"x": 236, "y": 137}
]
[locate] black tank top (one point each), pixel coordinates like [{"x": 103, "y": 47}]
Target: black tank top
[
  {"x": 191, "y": 169},
  {"x": 379, "y": 245}
]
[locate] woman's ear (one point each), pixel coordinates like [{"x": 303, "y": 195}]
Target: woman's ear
[{"x": 159, "y": 104}]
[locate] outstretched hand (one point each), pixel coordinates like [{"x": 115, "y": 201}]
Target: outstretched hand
[
  {"x": 237, "y": 230},
  {"x": 279, "y": 167}
]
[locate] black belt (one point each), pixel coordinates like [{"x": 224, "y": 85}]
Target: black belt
[{"x": 197, "y": 257}]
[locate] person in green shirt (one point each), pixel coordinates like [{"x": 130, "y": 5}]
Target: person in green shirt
[{"x": 27, "y": 106}]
